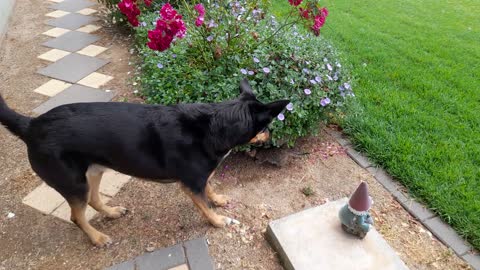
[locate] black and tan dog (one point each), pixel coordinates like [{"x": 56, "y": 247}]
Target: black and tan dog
[{"x": 72, "y": 145}]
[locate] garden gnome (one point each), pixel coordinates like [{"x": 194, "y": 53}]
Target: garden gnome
[{"x": 354, "y": 216}]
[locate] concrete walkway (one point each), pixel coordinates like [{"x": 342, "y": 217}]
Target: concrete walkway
[
  {"x": 6, "y": 8},
  {"x": 73, "y": 61}
]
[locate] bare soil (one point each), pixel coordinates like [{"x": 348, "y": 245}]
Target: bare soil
[{"x": 160, "y": 215}]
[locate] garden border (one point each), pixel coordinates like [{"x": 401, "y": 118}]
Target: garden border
[{"x": 444, "y": 232}]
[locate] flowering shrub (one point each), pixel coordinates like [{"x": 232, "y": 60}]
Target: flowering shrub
[{"x": 202, "y": 54}]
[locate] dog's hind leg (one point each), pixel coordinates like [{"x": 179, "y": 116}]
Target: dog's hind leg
[
  {"x": 67, "y": 176},
  {"x": 94, "y": 177},
  {"x": 200, "y": 201},
  {"x": 78, "y": 217},
  {"x": 217, "y": 199}
]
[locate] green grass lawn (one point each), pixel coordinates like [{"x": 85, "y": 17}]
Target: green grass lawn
[{"x": 417, "y": 69}]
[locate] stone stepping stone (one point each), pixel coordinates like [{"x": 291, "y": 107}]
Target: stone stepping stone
[
  {"x": 71, "y": 21},
  {"x": 314, "y": 239},
  {"x": 71, "y": 41},
  {"x": 74, "y": 94},
  {"x": 72, "y": 67},
  {"x": 72, "y": 5},
  {"x": 190, "y": 255}
]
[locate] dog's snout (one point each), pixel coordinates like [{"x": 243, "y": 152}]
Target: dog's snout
[{"x": 262, "y": 137}]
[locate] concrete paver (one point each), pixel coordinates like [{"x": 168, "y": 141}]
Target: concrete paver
[
  {"x": 72, "y": 67},
  {"x": 74, "y": 94},
  {"x": 71, "y": 21},
  {"x": 314, "y": 239},
  {"x": 52, "y": 87},
  {"x": 53, "y": 55},
  {"x": 56, "y": 32},
  {"x": 71, "y": 41},
  {"x": 89, "y": 28}
]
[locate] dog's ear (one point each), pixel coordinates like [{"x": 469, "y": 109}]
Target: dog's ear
[
  {"x": 245, "y": 88},
  {"x": 277, "y": 107}
]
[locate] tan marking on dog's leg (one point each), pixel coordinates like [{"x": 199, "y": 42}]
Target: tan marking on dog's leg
[
  {"x": 94, "y": 176},
  {"x": 215, "y": 219},
  {"x": 217, "y": 199},
  {"x": 78, "y": 217}
]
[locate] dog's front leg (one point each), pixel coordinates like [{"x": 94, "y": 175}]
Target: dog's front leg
[
  {"x": 200, "y": 201},
  {"x": 217, "y": 199}
]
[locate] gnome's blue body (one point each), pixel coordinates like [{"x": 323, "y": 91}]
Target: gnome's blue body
[
  {"x": 354, "y": 216},
  {"x": 355, "y": 224}
]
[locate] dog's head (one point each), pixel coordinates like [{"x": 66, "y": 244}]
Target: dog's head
[
  {"x": 243, "y": 120},
  {"x": 261, "y": 114}
]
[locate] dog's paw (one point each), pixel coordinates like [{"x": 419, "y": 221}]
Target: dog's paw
[
  {"x": 101, "y": 240},
  {"x": 220, "y": 200},
  {"x": 222, "y": 221},
  {"x": 116, "y": 212}
]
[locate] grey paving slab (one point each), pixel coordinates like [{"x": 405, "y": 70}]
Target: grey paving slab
[
  {"x": 72, "y": 67},
  {"x": 385, "y": 179},
  {"x": 473, "y": 260},
  {"x": 314, "y": 239},
  {"x": 341, "y": 139},
  {"x": 74, "y": 94},
  {"x": 447, "y": 235},
  {"x": 72, "y": 41},
  {"x": 162, "y": 259},
  {"x": 72, "y": 5},
  {"x": 417, "y": 209},
  {"x": 358, "y": 157},
  {"x": 128, "y": 265},
  {"x": 71, "y": 21},
  {"x": 197, "y": 255}
]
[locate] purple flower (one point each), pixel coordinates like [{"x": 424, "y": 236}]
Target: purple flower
[
  {"x": 325, "y": 101},
  {"x": 174, "y": 55},
  {"x": 281, "y": 117},
  {"x": 290, "y": 106},
  {"x": 210, "y": 38},
  {"x": 313, "y": 82},
  {"x": 341, "y": 88},
  {"x": 329, "y": 67},
  {"x": 307, "y": 91},
  {"x": 329, "y": 78},
  {"x": 347, "y": 85},
  {"x": 292, "y": 81},
  {"x": 243, "y": 71},
  {"x": 266, "y": 70},
  {"x": 256, "y": 60},
  {"x": 212, "y": 24},
  {"x": 305, "y": 70},
  {"x": 318, "y": 79},
  {"x": 335, "y": 77},
  {"x": 159, "y": 65},
  {"x": 250, "y": 72},
  {"x": 143, "y": 24}
]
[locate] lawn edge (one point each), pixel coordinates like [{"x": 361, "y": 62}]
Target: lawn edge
[{"x": 442, "y": 231}]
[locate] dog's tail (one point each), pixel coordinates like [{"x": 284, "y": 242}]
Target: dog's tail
[{"x": 15, "y": 122}]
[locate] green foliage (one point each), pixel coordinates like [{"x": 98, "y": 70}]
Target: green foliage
[
  {"x": 308, "y": 191},
  {"x": 207, "y": 65}
]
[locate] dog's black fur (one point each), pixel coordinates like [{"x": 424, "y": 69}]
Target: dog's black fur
[{"x": 184, "y": 142}]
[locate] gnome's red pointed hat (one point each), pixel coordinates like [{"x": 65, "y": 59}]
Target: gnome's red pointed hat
[{"x": 360, "y": 202}]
